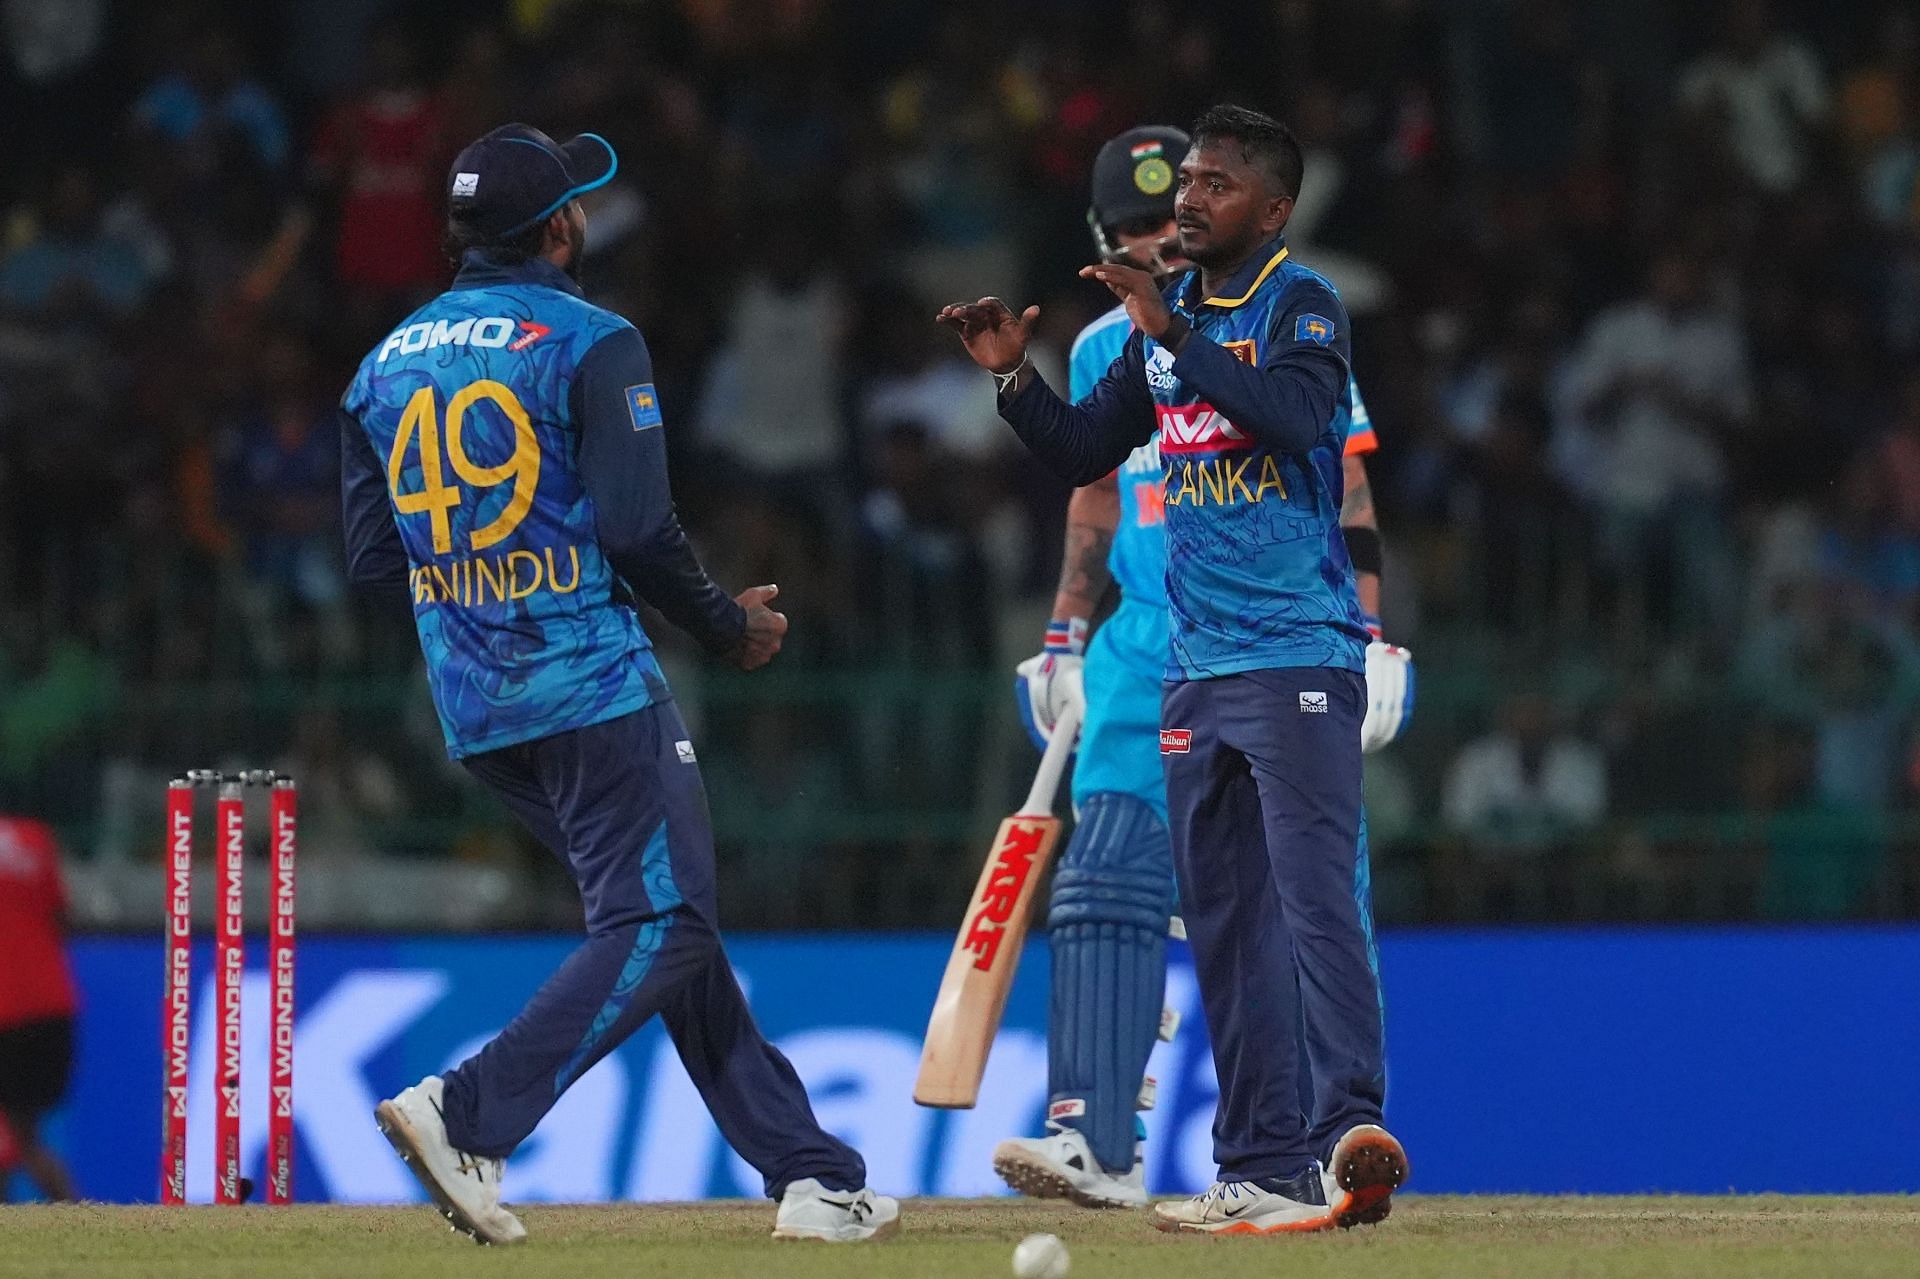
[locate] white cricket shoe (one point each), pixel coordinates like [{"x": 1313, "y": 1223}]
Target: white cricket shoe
[
  {"x": 808, "y": 1210},
  {"x": 1061, "y": 1166},
  {"x": 1249, "y": 1208},
  {"x": 1368, "y": 1165},
  {"x": 465, "y": 1188}
]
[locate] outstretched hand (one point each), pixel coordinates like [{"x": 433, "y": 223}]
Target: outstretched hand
[
  {"x": 1138, "y": 290},
  {"x": 994, "y": 336}
]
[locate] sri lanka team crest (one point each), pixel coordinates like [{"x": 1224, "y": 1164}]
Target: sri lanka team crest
[{"x": 1317, "y": 329}]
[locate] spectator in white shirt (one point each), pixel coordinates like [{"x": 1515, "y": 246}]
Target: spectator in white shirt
[
  {"x": 1762, "y": 92},
  {"x": 772, "y": 403},
  {"x": 1655, "y": 390},
  {"x": 1521, "y": 788}
]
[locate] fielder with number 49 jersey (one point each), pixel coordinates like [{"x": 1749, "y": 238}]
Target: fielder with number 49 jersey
[
  {"x": 502, "y": 455},
  {"x": 474, "y": 410}
]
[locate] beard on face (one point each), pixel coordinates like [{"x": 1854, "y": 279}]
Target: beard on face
[{"x": 577, "y": 243}]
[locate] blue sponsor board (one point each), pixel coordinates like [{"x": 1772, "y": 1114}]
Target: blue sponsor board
[{"x": 1606, "y": 1061}]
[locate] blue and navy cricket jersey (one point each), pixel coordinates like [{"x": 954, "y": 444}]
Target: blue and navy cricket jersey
[
  {"x": 502, "y": 454},
  {"x": 1138, "y": 557},
  {"x": 1252, "y": 419}
]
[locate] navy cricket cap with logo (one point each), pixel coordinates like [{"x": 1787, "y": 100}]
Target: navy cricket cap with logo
[
  {"x": 1133, "y": 176},
  {"x": 516, "y": 176}
]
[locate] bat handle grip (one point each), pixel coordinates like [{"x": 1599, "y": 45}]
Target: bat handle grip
[{"x": 1053, "y": 764}]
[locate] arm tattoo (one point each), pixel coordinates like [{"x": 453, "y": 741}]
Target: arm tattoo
[
  {"x": 1083, "y": 570},
  {"x": 1357, "y": 510}
]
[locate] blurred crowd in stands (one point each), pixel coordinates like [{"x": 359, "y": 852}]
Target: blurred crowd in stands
[{"x": 1636, "y": 291}]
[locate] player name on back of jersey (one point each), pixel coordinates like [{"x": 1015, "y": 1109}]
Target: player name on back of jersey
[{"x": 497, "y": 579}]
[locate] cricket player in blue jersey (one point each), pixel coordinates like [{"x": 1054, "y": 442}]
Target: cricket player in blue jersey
[
  {"x": 1242, "y": 368},
  {"x": 1113, "y": 890},
  {"x": 503, "y": 459}
]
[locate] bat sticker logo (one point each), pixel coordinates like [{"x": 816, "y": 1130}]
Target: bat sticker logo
[{"x": 1012, "y": 865}]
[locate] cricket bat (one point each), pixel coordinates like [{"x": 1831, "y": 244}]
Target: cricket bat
[{"x": 973, "y": 993}]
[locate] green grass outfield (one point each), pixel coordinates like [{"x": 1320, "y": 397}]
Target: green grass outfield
[{"x": 1427, "y": 1236}]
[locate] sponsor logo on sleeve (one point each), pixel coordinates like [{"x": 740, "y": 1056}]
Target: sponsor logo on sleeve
[
  {"x": 644, "y": 406},
  {"x": 1160, "y": 370},
  {"x": 685, "y": 751}
]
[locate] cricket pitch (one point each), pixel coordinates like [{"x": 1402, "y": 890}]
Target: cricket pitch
[{"x": 950, "y": 1239}]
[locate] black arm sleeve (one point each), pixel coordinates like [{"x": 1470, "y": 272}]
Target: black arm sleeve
[
  {"x": 623, "y": 465},
  {"x": 375, "y": 554},
  {"x": 1287, "y": 399},
  {"x": 1083, "y": 442}
]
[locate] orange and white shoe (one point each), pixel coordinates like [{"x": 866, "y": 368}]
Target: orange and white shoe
[
  {"x": 1265, "y": 1207},
  {"x": 1368, "y": 1165}
]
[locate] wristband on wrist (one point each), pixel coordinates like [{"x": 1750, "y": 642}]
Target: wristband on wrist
[
  {"x": 1003, "y": 381},
  {"x": 1175, "y": 336},
  {"x": 1066, "y": 635}
]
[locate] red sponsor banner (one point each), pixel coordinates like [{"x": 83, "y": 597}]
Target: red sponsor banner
[
  {"x": 1197, "y": 428},
  {"x": 1176, "y": 741},
  {"x": 529, "y": 334}
]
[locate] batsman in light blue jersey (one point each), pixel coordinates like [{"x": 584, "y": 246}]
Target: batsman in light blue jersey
[
  {"x": 1239, "y": 375},
  {"x": 503, "y": 460}
]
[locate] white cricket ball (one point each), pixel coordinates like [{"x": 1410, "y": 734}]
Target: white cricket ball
[{"x": 1041, "y": 1257}]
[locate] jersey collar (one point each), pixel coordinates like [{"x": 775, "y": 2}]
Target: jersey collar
[
  {"x": 1245, "y": 282},
  {"x": 480, "y": 269}
]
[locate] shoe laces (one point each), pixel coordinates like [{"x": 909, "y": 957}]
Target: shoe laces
[
  {"x": 1220, "y": 1192},
  {"x": 478, "y": 1166}
]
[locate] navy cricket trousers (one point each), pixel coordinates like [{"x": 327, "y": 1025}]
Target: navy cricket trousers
[
  {"x": 622, "y": 805},
  {"x": 1263, "y": 797}
]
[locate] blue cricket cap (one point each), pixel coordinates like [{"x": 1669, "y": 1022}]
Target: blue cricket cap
[{"x": 516, "y": 176}]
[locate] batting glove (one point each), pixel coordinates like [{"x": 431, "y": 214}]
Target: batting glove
[
  {"x": 1389, "y": 695},
  {"x": 1051, "y": 680}
]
